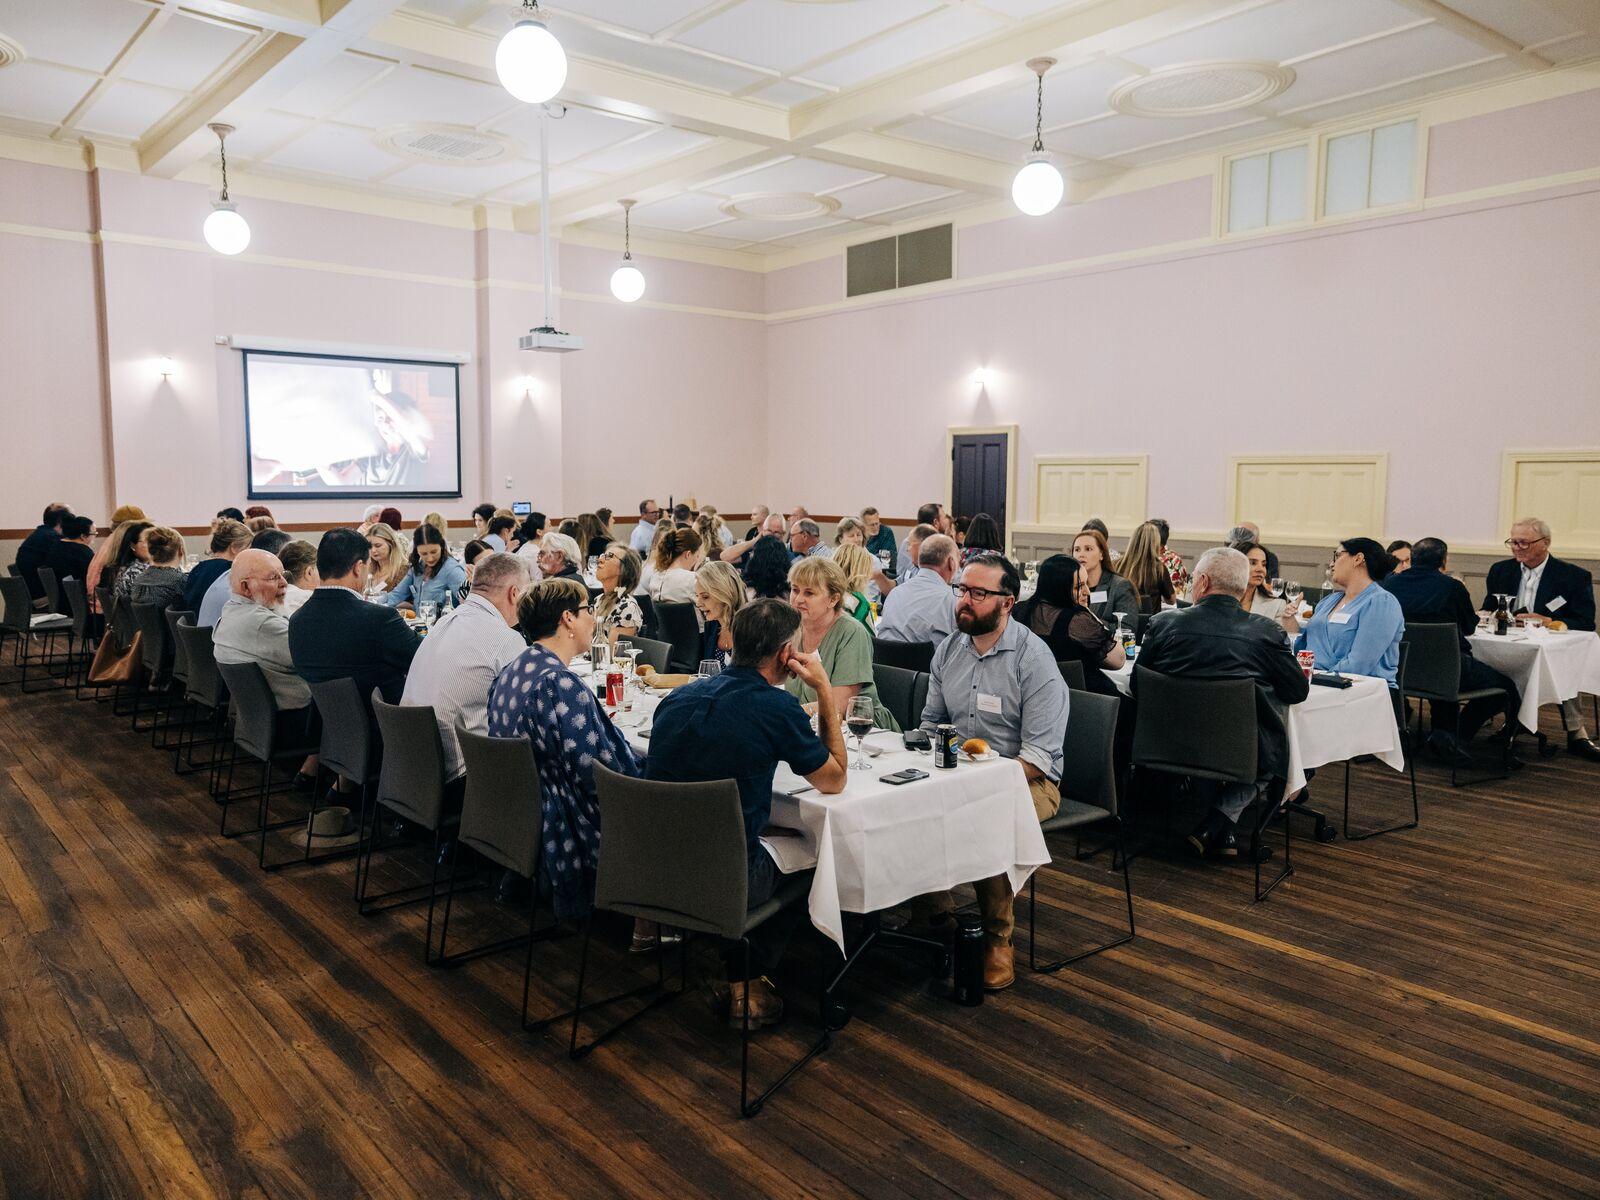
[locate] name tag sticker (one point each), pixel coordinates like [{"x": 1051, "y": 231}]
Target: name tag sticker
[
  {"x": 1339, "y": 619},
  {"x": 1099, "y": 597},
  {"x": 988, "y": 703},
  {"x": 1557, "y": 603}
]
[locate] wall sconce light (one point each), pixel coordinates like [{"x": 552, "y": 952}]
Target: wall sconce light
[
  {"x": 527, "y": 387},
  {"x": 983, "y": 377},
  {"x": 164, "y": 367}
]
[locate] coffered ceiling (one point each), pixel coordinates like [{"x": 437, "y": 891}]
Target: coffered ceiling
[{"x": 750, "y": 125}]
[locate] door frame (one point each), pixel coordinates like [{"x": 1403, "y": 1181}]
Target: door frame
[{"x": 950, "y": 434}]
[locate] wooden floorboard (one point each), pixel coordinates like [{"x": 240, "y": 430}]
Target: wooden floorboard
[{"x": 1415, "y": 1015}]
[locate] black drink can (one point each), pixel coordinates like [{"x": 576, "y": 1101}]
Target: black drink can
[{"x": 944, "y": 747}]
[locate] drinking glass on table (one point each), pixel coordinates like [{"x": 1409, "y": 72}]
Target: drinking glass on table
[
  {"x": 1275, "y": 588},
  {"x": 428, "y": 610},
  {"x": 709, "y": 667},
  {"x": 858, "y": 719}
]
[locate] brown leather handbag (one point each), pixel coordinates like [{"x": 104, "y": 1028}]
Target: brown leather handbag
[{"x": 112, "y": 665}]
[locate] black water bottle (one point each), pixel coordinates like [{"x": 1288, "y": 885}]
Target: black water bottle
[{"x": 968, "y": 988}]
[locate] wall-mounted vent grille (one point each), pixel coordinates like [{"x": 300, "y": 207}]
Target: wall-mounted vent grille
[{"x": 923, "y": 256}]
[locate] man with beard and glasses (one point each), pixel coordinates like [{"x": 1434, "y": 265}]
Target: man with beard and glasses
[{"x": 994, "y": 679}]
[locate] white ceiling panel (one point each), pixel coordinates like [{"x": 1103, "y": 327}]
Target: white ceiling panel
[
  {"x": 588, "y": 42},
  {"x": 959, "y": 137},
  {"x": 86, "y": 34},
  {"x": 762, "y": 231},
  {"x": 630, "y": 156},
  {"x": 1467, "y": 76},
  {"x": 126, "y": 110},
  {"x": 785, "y": 36},
  {"x": 642, "y": 16},
  {"x": 470, "y": 182},
  {"x": 1280, "y": 31},
  {"x": 336, "y": 150},
  {"x": 1522, "y": 21},
  {"x": 788, "y": 93},
  {"x": 581, "y": 131},
  {"x": 263, "y": 132},
  {"x": 1206, "y": 141},
  {"x": 451, "y": 10},
  {"x": 1573, "y": 50},
  {"x": 1374, "y": 64},
  {"x": 1070, "y": 94},
  {"x": 881, "y": 195},
  {"x": 563, "y": 179},
  {"x": 415, "y": 94},
  {"x": 927, "y": 38},
  {"x": 686, "y": 211},
  {"x": 1031, "y": 8},
  {"x": 31, "y": 92},
  {"x": 794, "y": 175},
  {"x": 331, "y": 83},
  {"x": 1107, "y": 138},
  {"x": 183, "y": 53}
]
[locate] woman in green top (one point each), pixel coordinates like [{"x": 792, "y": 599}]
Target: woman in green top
[
  {"x": 817, "y": 589},
  {"x": 856, "y": 565}
]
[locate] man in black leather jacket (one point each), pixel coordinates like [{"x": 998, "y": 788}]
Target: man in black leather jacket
[{"x": 1216, "y": 639}]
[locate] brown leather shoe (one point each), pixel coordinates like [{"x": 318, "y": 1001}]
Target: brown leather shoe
[
  {"x": 766, "y": 1006},
  {"x": 998, "y": 971}
]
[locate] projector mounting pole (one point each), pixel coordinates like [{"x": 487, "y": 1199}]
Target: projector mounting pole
[{"x": 544, "y": 207}]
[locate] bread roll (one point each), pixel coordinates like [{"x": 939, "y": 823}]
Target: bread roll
[{"x": 976, "y": 747}]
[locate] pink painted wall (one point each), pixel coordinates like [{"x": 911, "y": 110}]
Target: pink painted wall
[{"x": 1528, "y": 142}]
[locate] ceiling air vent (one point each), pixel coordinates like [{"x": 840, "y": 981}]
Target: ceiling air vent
[
  {"x": 922, "y": 256},
  {"x": 457, "y": 145},
  {"x": 10, "y": 52}
]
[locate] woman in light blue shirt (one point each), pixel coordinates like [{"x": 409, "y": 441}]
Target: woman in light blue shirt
[
  {"x": 1357, "y": 631},
  {"x": 434, "y": 577}
]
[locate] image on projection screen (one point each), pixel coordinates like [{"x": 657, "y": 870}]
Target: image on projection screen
[{"x": 360, "y": 427}]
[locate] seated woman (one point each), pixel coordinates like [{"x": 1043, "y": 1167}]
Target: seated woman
[
  {"x": 1257, "y": 598},
  {"x": 853, "y": 532},
  {"x": 857, "y": 566},
  {"x": 434, "y": 577},
  {"x": 1109, "y": 593},
  {"x": 1142, "y": 567},
  {"x": 1357, "y": 627},
  {"x": 470, "y": 554},
  {"x": 719, "y": 594},
  {"x": 161, "y": 583},
  {"x": 767, "y": 571},
  {"x": 387, "y": 562},
  {"x": 537, "y": 697},
  {"x": 1073, "y": 633},
  {"x": 983, "y": 537},
  {"x": 676, "y": 557},
  {"x": 616, "y": 610},
  {"x": 132, "y": 558},
  {"x": 817, "y": 592},
  {"x": 299, "y": 561}
]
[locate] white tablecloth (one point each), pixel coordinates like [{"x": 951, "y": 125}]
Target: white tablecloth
[
  {"x": 1331, "y": 725},
  {"x": 875, "y": 845},
  {"x": 1547, "y": 667}
]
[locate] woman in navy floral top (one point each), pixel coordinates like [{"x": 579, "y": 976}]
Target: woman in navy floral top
[{"x": 538, "y": 697}]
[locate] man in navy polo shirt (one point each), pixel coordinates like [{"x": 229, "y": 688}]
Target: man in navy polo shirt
[{"x": 740, "y": 725}]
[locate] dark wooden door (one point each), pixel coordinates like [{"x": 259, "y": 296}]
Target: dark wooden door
[{"x": 978, "y": 475}]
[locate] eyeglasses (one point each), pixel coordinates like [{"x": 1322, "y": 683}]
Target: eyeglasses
[
  {"x": 1520, "y": 544},
  {"x": 976, "y": 593}
]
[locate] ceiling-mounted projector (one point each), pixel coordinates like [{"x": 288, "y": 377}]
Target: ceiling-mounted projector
[{"x": 550, "y": 340}]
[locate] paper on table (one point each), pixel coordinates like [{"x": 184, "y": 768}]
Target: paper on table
[{"x": 790, "y": 851}]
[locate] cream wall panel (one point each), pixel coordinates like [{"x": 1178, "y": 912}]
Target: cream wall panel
[
  {"x": 1068, "y": 491},
  {"x": 1561, "y": 488},
  {"x": 1309, "y": 497}
]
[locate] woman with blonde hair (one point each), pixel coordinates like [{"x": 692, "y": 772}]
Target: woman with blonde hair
[
  {"x": 388, "y": 563},
  {"x": 1141, "y": 566},
  {"x": 719, "y": 594},
  {"x": 676, "y": 557},
  {"x": 857, "y": 566},
  {"x": 712, "y": 531},
  {"x": 593, "y": 537},
  {"x": 1107, "y": 592},
  {"x": 844, "y": 647},
  {"x": 438, "y": 522},
  {"x": 616, "y": 611}
]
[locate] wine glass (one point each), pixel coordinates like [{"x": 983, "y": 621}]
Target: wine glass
[
  {"x": 709, "y": 667},
  {"x": 1294, "y": 593},
  {"x": 428, "y": 610},
  {"x": 1275, "y": 588},
  {"x": 1120, "y": 633},
  {"x": 859, "y": 719}
]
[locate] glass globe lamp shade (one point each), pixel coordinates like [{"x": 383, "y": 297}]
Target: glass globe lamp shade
[
  {"x": 1037, "y": 188},
  {"x": 531, "y": 64},
  {"x": 627, "y": 282},
  {"x": 225, "y": 230}
]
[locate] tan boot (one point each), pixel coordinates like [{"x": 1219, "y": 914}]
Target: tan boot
[
  {"x": 998, "y": 970},
  {"x": 766, "y": 1006}
]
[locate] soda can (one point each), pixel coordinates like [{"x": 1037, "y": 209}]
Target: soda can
[
  {"x": 944, "y": 747},
  {"x": 1308, "y": 661}
]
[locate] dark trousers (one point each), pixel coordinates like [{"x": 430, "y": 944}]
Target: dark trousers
[
  {"x": 770, "y": 939},
  {"x": 1474, "y": 713}
]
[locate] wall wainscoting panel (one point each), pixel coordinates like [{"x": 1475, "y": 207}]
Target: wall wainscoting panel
[
  {"x": 1309, "y": 497},
  {"x": 1068, "y": 491},
  {"x": 1561, "y": 488}
]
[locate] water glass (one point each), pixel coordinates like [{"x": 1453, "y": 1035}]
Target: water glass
[
  {"x": 709, "y": 667},
  {"x": 1275, "y": 588},
  {"x": 429, "y": 612}
]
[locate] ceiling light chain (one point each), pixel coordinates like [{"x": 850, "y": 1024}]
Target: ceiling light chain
[
  {"x": 222, "y": 148},
  {"x": 627, "y": 281},
  {"x": 225, "y": 230},
  {"x": 1038, "y": 187},
  {"x": 1038, "y": 117},
  {"x": 627, "y": 229}
]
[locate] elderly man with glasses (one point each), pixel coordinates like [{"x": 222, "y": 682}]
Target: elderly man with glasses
[
  {"x": 994, "y": 679},
  {"x": 1546, "y": 589}
]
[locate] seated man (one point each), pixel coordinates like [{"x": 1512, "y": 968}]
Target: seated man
[
  {"x": 215, "y": 596},
  {"x": 35, "y": 550},
  {"x": 805, "y": 540},
  {"x": 739, "y": 725},
  {"x": 1546, "y": 589},
  {"x": 912, "y": 546},
  {"x": 464, "y": 651},
  {"x": 995, "y": 680},
  {"x": 253, "y": 629},
  {"x": 1429, "y": 596},
  {"x": 923, "y": 608},
  {"x": 337, "y": 634},
  {"x": 71, "y": 554},
  {"x": 1216, "y": 639}
]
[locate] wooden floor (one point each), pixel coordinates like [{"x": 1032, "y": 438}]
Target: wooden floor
[{"x": 1417, "y": 1015}]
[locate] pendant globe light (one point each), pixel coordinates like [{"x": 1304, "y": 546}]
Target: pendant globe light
[
  {"x": 627, "y": 281},
  {"x": 225, "y": 230},
  {"x": 1037, "y": 188},
  {"x": 531, "y": 64}
]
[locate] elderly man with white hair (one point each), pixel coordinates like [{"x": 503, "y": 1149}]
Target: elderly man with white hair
[
  {"x": 560, "y": 557},
  {"x": 1215, "y": 638},
  {"x": 1544, "y": 589},
  {"x": 805, "y": 540}
]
